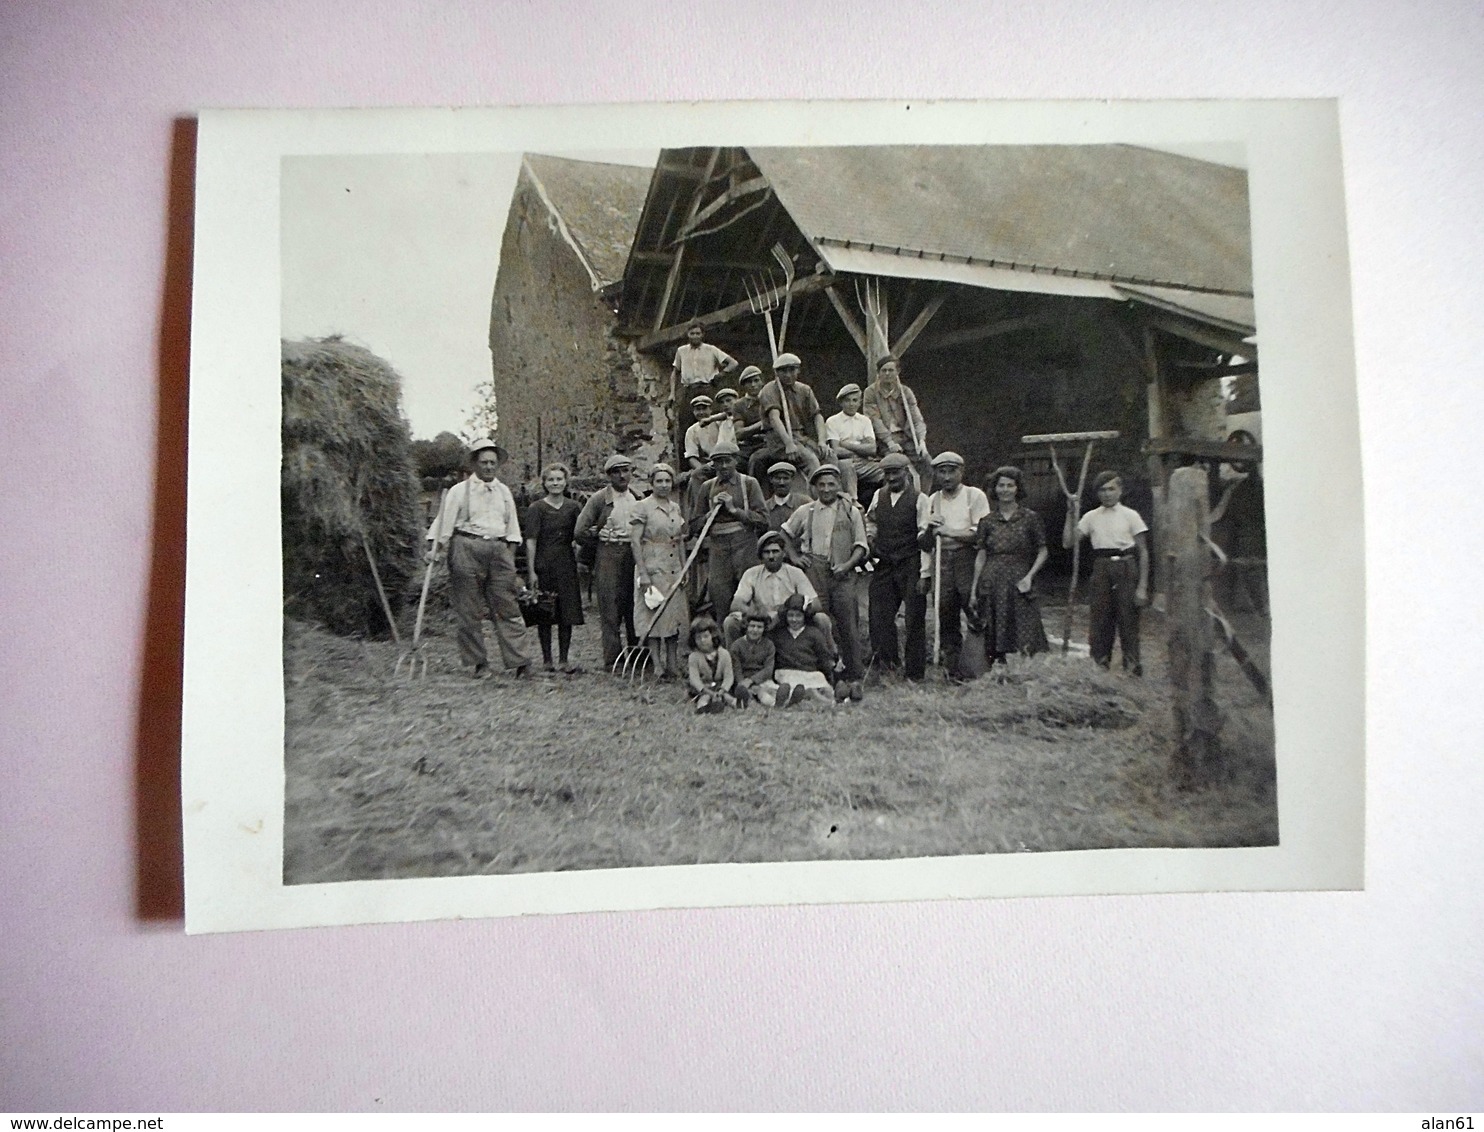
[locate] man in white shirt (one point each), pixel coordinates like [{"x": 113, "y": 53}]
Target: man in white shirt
[
  {"x": 695, "y": 369},
  {"x": 954, "y": 511},
  {"x": 852, "y": 442},
  {"x": 1120, "y": 572},
  {"x": 479, "y": 525},
  {"x": 764, "y": 588},
  {"x": 604, "y": 519}
]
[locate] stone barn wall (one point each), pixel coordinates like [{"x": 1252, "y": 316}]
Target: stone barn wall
[{"x": 554, "y": 353}]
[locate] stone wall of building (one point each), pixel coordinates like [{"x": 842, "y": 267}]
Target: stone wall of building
[{"x": 555, "y": 357}]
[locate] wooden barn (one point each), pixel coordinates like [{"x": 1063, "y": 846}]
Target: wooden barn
[
  {"x": 565, "y": 382},
  {"x": 1027, "y": 289}
]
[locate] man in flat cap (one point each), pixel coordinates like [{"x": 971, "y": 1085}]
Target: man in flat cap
[
  {"x": 605, "y": 519},
  {"x": 765, "y": 587},
  {"x": 479, "y": 525},
  {"x": 795, "y": 429},
  {"x": 747, "y": 419},
  {"x": 782, "y": 500},
  {"x": 893, "y": 412},
  {"x": 895, "y": 520},
  {"x": 853, "y": 443},
  {"x": 954, "y": 511},
  {"x": 701, "y": 436},
  {"x": 827, "y": 536},
  {"x": 695, "y": 369},
  {"x": 731, "y": 545}
]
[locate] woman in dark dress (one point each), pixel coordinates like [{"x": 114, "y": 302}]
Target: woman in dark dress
[
  {"x": 1012, "y": 550},
  {"x": 551, "y": 564}
]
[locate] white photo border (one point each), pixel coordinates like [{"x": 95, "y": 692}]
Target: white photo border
[{"x": 232, "y": 775}]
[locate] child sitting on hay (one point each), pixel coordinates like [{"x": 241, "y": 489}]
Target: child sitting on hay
[
  {"x": 711, "y": 680},
  {"x": 804, "y": 661}
]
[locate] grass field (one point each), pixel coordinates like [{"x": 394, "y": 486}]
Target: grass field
[{"x": 445, "y": 776}]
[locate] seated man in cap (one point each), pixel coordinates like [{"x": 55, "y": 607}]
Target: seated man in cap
[
  {"x": 954, "y": 511},
  {"x": 478, "y": 522},
  {"x": 828, "y": 535},
  {"x": 726, "y": 423},
  {"x": 747, "y": 418},
  {"x": 893, "y": 412},
  {"x": 764, "y": 588},
  {"x": 605, "y": 519},
  {"x": 895, "y": 520},
  {"x": 783, "y": 500},
  {"x": 853, "y": 443},
  {"x": 731, "y": 545},
  {"x": 701, "y": 436},
  {"x": 795, "y": 429}
]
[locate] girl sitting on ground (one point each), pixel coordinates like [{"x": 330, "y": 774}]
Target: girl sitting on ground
[
  {"x": 710, "y": 668},
  {"x": 803, "y": 661},
  {"x": 752, "y": 658}
]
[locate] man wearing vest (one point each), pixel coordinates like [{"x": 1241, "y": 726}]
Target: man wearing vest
[
  {"x": 605, "y": 518},
  {"x": 479, "y": 524},
  {"x": 828, "y": 535},
  {"x": 896, "y": 518}
]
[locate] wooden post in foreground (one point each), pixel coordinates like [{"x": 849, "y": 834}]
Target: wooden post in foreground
[{"x": 1197, "y": 721}]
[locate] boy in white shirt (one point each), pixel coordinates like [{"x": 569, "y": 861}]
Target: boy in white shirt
[
  {"x": 1120, "y": 572},
  {"x": 852, "y": 443}
]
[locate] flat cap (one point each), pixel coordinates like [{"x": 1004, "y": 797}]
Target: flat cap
[
  {"x": 732, "y": 393},
  {"x": 786, "y": 361},
  {"x": 617, "y": 461},
  {"x": 847, "y": 390},
  {"x": 700, "y": 399},
  {"x": 832, "y": 469},
  {"x": 782, "y": 466},
  {"x": 948, "y": 458},
  {"x": 725, "y": 448},
  {"x": 750, "y": 371},
  {"x": 770, "y": 539},
  {"x": 895, "y": 460}
]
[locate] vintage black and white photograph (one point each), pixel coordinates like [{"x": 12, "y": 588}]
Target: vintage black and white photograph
[{"x": 734, "y": 503}]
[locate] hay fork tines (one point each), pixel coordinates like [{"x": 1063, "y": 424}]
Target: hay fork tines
[{"x": 634, "y": 664}]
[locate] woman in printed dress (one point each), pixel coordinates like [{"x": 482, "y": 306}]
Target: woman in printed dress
[
  {"x": 550, "y": 562},
  {"x": 1012, "y": 550},
  {"x": 657, "y": 533}
]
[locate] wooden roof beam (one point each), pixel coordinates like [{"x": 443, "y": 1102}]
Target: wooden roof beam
[
  {"x": 979, "y": 333},
  {"x": 804, "y": 286},
  {"x": 925, "y": 316}
]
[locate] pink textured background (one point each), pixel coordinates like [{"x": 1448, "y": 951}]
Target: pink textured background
[{"x": 1369, "y": 1000}]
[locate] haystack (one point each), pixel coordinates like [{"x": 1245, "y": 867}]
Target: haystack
[{"x": 347, "y": 471}]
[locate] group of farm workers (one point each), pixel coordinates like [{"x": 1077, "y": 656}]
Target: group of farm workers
[{"x": 782, "y": 570}]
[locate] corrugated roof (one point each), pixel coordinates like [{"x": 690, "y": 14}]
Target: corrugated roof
[
  {"x": 598, "y": 202},
  {"x": 1111, "y": 212}
]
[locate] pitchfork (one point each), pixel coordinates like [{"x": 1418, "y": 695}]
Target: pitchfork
[
  {"x": 869, "y": 301},
  {"x": 762, "y": 297},
  {"x": 1074, "y": 502},
  {"x": 634, "y": 661},
  {"x": 416, "y": 659}
]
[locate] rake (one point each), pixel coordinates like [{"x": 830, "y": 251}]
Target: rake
[
  {"x": 415, "y": 659},
  {"x": 1074, "y": 501},
  {"x": 633, "y": 661}
]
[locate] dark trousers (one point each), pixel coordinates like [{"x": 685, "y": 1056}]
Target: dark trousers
[
  {"x": 955, "y": 588},
  {"x": 893, "y": 585},
  {"x": 1112, "y": 612},
  {"x": 727, "y": 556},
  {"x": 613, "y": 578},
  {"x": 481, "y": 577},
  {"x": 840, "y": 598}
]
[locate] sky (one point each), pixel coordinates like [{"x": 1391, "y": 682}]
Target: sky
[{"x": 399, "y": 253}]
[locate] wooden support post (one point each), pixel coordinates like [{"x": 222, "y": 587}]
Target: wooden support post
[
  {"x": 857, "y": 335},
  {"x": 1156, "y": 465},
  {"x": 925, "y": 316},
  {"x": 1197, "y": 755}
]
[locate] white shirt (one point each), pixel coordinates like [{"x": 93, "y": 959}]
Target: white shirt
[
  {"x": 700, "y": 364},
  {"x": 1112, "y": 528},
  {"x": 478, "y": 508},
  {"x": 701, "y": 439},
  {"x": 960, "y": 511},
  {"x": 616, "y": 529},
  {"x": 855, "y": 429},
  {"x": 768, "y": 591}
]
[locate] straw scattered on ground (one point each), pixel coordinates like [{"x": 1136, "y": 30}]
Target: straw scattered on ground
[{"x": 445, "y": 776}]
